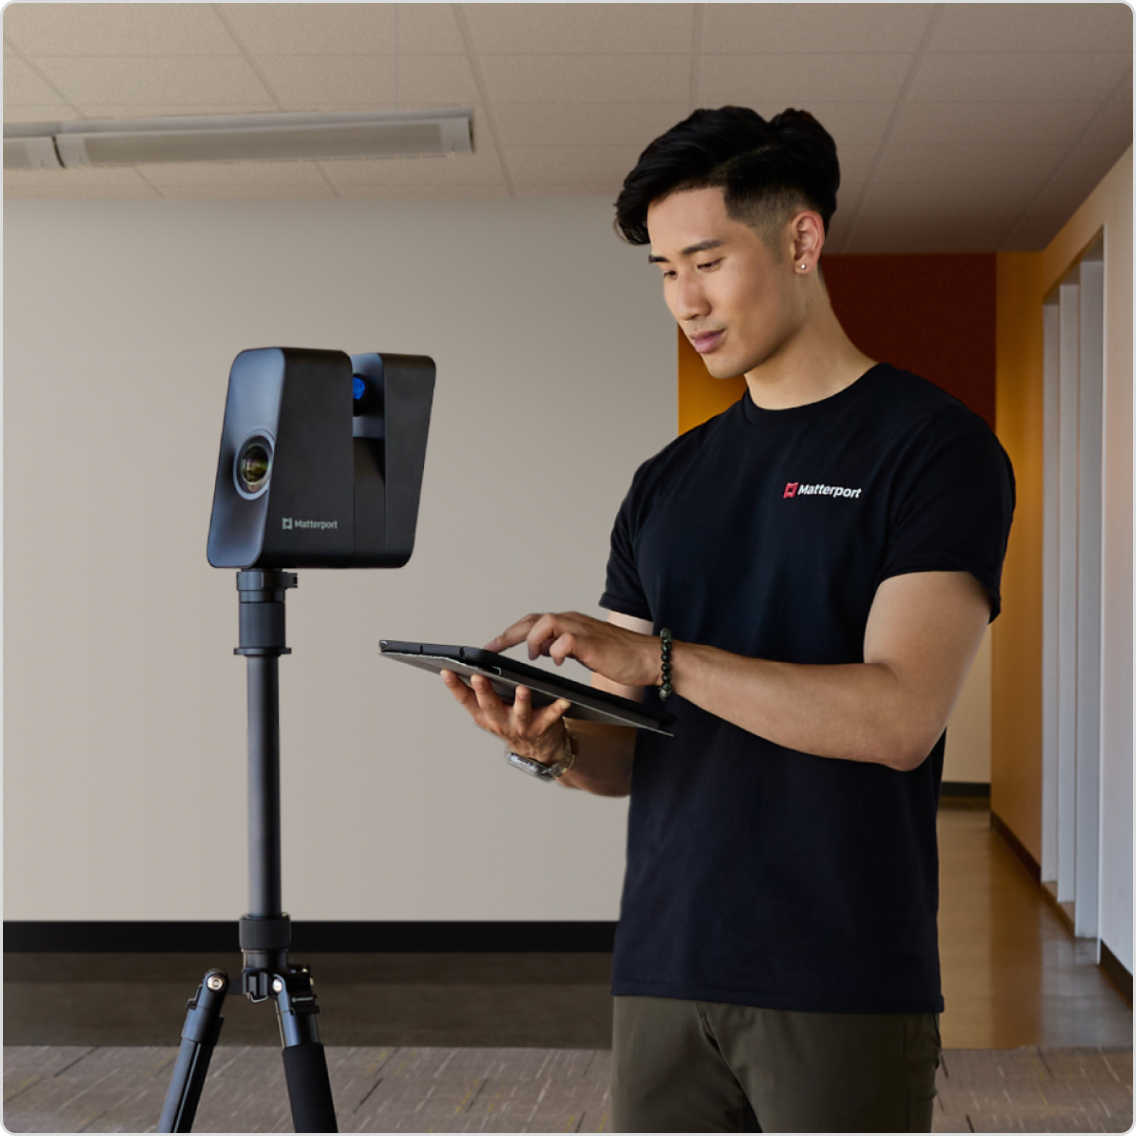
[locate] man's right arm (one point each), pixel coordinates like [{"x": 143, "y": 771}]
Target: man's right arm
[{"x": 606, "y": 752}]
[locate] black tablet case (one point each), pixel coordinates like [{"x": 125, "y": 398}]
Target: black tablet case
[{"x": 506, "y": 674}]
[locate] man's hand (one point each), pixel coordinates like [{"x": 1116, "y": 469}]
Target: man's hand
[
  {"x": 531, "y": 733},
  {"x": 625, "y": 657}
]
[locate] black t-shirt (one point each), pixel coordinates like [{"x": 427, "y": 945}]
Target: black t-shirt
[{"x": 759, "y": 875}]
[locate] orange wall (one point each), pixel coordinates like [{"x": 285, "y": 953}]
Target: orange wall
[
  {"x": 933, "y": 315},
  {"x": 1015, "y": 754}
]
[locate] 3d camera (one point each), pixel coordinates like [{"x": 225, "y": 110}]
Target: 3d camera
[{"x": 321, "y": 459}]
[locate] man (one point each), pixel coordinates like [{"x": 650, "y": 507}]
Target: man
[{"x": 817, "y": 565}]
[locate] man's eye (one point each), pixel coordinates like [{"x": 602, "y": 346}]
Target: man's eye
[{"x": 711, "y": 263}]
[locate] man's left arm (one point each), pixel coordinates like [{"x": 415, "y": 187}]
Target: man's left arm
[{"x": 923, "y": 632}]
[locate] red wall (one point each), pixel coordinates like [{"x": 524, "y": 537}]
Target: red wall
[{"x": 934, "y": 315}]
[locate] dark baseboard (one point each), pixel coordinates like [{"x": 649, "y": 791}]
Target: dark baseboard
[
  {"x": 1021, "y": 853},
  {"x": 965, "y": 789},
  {"x": 315, "y": 937},
  {"x": 1117, "y": 973}
]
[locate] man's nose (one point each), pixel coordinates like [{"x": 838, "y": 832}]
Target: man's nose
[{"x": 690, "y": 299}]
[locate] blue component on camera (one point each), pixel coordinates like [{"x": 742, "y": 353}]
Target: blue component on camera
[{"x": 359, "y": 386}]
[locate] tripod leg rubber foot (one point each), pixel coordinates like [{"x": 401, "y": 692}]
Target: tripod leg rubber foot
[{"x": 309, "y": 1088}]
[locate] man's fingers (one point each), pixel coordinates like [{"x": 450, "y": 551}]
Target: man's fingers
[
  {"x": 550, "y": 715},
  {"x": 512, "y": 635},
  {"x": 522, "y": 709},
  {"x": 486, "y": 696},
  {"x": 459, "y": 690}
]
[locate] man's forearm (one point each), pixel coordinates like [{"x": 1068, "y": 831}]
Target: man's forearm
[
  {"x": 603, "y": 763},
  {"x": 859, "y": 711}
]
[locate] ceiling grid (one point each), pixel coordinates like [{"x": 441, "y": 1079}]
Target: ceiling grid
[{"x": 960, "y": 127}]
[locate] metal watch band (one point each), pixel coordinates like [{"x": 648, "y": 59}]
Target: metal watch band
[{"x": 539, "y": 769}]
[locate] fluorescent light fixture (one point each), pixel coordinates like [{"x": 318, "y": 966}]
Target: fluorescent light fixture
[{"x": 237, "y": 138}]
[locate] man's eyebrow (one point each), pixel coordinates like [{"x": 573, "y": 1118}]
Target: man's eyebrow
[{"x": 702, "y": 246}]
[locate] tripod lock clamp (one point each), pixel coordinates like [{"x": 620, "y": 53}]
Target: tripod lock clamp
[{"x": 262, "y": 594}]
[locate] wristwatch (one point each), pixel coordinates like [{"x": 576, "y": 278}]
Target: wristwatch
[{"x": 538, "y": 768}]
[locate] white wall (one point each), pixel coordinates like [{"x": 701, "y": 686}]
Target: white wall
[
  {"x": 124, "y": 726},
  {"x": 1110, "y": 206},
  {"x": 967, "y": 756}
]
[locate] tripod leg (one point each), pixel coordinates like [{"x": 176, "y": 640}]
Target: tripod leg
[
  {"x": 198, "y": 1037},
  {"x": 305, "y": 1063}
]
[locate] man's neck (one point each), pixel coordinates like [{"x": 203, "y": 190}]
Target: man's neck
[{"x": 818, "y": 362}]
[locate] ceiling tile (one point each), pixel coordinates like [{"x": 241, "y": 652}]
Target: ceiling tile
[
  {"x": 462, "y": 169},
  {"x": 860, "y": 123},
  {"x": 977, "y": 162},
  {"x": 1032, "y": 234},
  {"x": 938, "y": 198},
  {"x": 428, "y": 29},
  {"x": 587, "y": 78},
  {"x": 89, "y": 177},
  {"x": 942, "y": 234},
  {"x": 52, "y": 112},
  {"x": 266, "y": 190},
  {"x": 117, "y": 29},
  {"x": 88, "y": 191},
  {"x": 838, "y": 232},
  {"x": 167, "y": 79},
  {"x": 23, "y": 86},
  {"x": 236, "y": 174},
  {"x": 1017, "y": 76},
  {"x": 448, "y": 78},
  {"x": 1061, "y": 199},
  {"x": 798, "y": 80},
  {"x": 1032, "y": 27},
  {"x": 567, "y": 164},
  {"x": 390, "y": 190},
  {"x": 172, "y": 110},
  {"x": 311, "y": 82},
  {"x": 758, "y": 28},
  {"x": 557, "y": 29},
  {"x": 1113, "y": 125},
  {"x": 607, "y": 190},
  {"x": 1089, "y": 163},
  {"x": 586, "y": 124},
  {"x": 856, "y": 162},
  {"x": 313, "y": 29},
  {"x": 961, "y": 122}
]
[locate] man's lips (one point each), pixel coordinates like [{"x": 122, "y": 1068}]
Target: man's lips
[{"x": 707, "y": 341}]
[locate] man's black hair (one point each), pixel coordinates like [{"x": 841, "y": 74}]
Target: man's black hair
[{"x": 766, "y": 170}]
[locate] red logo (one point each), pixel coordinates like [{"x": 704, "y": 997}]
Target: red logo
[{"x": 791, "y": 489}]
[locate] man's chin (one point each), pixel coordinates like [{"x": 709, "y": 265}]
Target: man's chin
[{"x": 722, "y": 369}]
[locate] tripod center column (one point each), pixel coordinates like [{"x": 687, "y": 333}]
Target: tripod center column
[{"x": 262, "y": 643}]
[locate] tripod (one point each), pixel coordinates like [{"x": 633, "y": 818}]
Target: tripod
[{"x": 265, "y": 933}]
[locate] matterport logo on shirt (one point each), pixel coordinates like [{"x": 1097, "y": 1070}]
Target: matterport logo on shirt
[{"x": 796, "y": 489}]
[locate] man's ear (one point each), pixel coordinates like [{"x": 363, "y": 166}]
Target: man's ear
[{"x": 806, "y": 238}]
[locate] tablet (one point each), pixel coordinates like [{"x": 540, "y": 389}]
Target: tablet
[{"x": 505, "y": 675}]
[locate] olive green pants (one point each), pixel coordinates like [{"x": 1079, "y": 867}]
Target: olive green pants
[{"x": 683, "y": 1066}]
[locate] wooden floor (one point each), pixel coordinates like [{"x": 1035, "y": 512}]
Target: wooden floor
[{"x": 1035, "y": 1037}]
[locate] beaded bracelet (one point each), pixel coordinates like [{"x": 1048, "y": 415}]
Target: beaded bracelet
[{"x": 667, "y": 690}]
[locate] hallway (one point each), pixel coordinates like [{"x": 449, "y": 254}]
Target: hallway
[
  {"x": 1012, "y": 974},
  {"x": 1035, "y": 1038}
]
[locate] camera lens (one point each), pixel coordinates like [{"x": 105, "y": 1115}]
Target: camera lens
[{"x": 253, "y": 466}]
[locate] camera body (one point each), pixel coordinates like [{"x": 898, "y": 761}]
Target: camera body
[{"x": 321, "y": 459}]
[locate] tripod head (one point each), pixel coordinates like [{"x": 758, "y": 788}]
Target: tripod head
[{"x": 321, "y": 460}]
